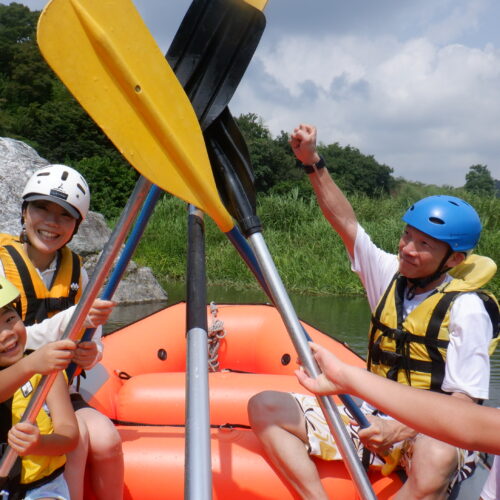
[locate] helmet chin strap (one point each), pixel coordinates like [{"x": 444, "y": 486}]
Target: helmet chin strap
[{"x": 426, "y": 280}]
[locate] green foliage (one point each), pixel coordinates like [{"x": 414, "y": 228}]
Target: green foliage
[
  {"x": 36, "y": 108},
  {"x": 479, "y": 181},
  {"x": 60, "y": 130},
  {"x": 163, "y": 245},
  {"x": 309, "y": 255},
  {"x": 26, "y": 78},
  {"x": 271, "y": 158},
  {"x": 276, "y": 169},
  {"x": 110, "y": 180},
  {"x": 356, "y": 172}
]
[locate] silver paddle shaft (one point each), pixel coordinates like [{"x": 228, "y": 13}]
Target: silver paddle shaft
[
  {"x": 283, "y": 304},
  {"x": 198, "y": 467}
]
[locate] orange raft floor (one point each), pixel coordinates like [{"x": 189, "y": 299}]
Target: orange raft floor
[{"x": 140, "y": 383}]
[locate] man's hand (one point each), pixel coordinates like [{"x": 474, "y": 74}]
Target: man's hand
[
  {"x": 303, "y": 143},
  {"x": 383, "y": 433},
  {"x": 52, "y": 356}
]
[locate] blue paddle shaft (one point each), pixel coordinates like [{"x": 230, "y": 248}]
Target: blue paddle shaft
[{"x": 119, "y": 270}]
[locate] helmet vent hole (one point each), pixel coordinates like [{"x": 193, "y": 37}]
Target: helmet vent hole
[
  {"x": 436, "y": 220},
  {"x": 64, "y": 176},
  {"x": 454, "y": 203},
  {"x": 79, "y": 186}
]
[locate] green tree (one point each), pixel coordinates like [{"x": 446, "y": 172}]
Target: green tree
[
  {"x": 271, "y": 162},
  {"x": 479, "y": 181},
  {"x": 25, "y": 76},
  {"x": 110, "y": 180},
  {"x": 60, "y": 130},
  {"x": 356, "y": 172}
]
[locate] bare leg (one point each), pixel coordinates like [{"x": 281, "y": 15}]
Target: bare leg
[
  {"x": 432, "y": 466},
  {"x": 279, "y": 424},
  {"x": 105, "y": 456},
  {"x": 74, "y": 472}
]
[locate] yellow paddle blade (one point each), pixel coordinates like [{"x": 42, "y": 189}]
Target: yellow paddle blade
[
  {"x": 258, "y": 4},
  {"x": 106, "y": 56}
]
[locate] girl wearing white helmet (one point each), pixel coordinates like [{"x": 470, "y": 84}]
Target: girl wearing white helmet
[{"x": 51, "y": 278}]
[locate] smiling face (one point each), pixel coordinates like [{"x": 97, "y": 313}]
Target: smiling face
[
  {"x": 12, "y": 336},
  {"x": 48, "y": 228},
  {"x": 420, "y": 254}
]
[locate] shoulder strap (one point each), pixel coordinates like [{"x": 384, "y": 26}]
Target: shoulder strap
[
  {"x": 27, "y": 284},
  {"x": 432, "y": 333},
  {"x": 375, "y": 320}
]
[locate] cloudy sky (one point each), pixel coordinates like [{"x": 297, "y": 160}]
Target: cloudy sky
[{"x": 416, "y": 83}]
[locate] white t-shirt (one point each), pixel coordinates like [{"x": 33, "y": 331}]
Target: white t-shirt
[
  {"x": 467, "y": 360},
  {"x": 52, "y": 328}
]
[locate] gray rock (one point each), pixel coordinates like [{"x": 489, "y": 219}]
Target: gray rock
[{"x": 18, "y": 162}]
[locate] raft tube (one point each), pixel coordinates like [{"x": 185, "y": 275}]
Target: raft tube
[{"x": 140, "y": 384}]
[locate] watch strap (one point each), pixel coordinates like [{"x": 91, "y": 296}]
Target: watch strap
[{"x": 309, "y": 169}]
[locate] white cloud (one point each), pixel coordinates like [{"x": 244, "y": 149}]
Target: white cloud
[
  {"x": 416, "y": 84},
  {"x": 409, "y": 103}
]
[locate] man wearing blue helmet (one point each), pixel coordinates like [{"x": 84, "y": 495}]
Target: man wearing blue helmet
[{"x": 431, "y": 328}]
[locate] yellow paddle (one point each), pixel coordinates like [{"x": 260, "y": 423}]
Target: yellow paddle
[{"x": 116, "y": 71}]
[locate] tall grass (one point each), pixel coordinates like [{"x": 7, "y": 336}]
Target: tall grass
[{"x": 308, "y": 253}]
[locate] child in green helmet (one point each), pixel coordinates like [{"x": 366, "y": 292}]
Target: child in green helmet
[{"x": 41, "y": 446}]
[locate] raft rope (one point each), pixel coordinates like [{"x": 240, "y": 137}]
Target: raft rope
[{"x": 216, "y": 333}]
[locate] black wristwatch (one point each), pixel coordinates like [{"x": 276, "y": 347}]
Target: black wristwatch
[{"x": 309, "y": 169}]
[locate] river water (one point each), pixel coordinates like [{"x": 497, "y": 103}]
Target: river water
[{"x": 345, "y": 318}]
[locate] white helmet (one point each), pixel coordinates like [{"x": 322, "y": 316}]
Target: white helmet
[{"x": 62, "y": 185}]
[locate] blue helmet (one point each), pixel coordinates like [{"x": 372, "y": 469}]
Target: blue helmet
[{"x": 447, "y": 219}]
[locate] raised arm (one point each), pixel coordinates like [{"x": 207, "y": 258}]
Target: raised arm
[
  {"x": 332, "y": 201},
  {"x": 437, "y": 415}
]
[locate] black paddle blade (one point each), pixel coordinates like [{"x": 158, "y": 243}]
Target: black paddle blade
[
  {"x": 233, "y": 172},
  {"x": 211, "y": 51}
]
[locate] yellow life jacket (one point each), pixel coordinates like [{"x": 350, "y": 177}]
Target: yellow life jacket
[
  {"x": 35, "y": 469},
  {"x": 37, "y": 302},
  {"x": 412, "y": 350}
]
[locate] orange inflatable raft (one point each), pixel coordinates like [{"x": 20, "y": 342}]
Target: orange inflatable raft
[{"x": 140, "y": 384}]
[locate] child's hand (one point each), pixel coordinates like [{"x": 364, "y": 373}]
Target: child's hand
[
  {"x": 85, "y": 354},
  {"x": 99, "y": 313},
  {"x": 23, "y": 438},
  {"x": 53, "y": 356}
]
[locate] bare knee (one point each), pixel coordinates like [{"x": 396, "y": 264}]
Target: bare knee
[
  {"x": 104, "y": 439},
  {"x": 106, "y": 444},
  {"x": 432, "y": 467},
  {"x": 273, "y": 408}
]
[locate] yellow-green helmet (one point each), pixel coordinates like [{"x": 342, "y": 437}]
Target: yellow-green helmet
[{"x": 8, "y": 292}]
